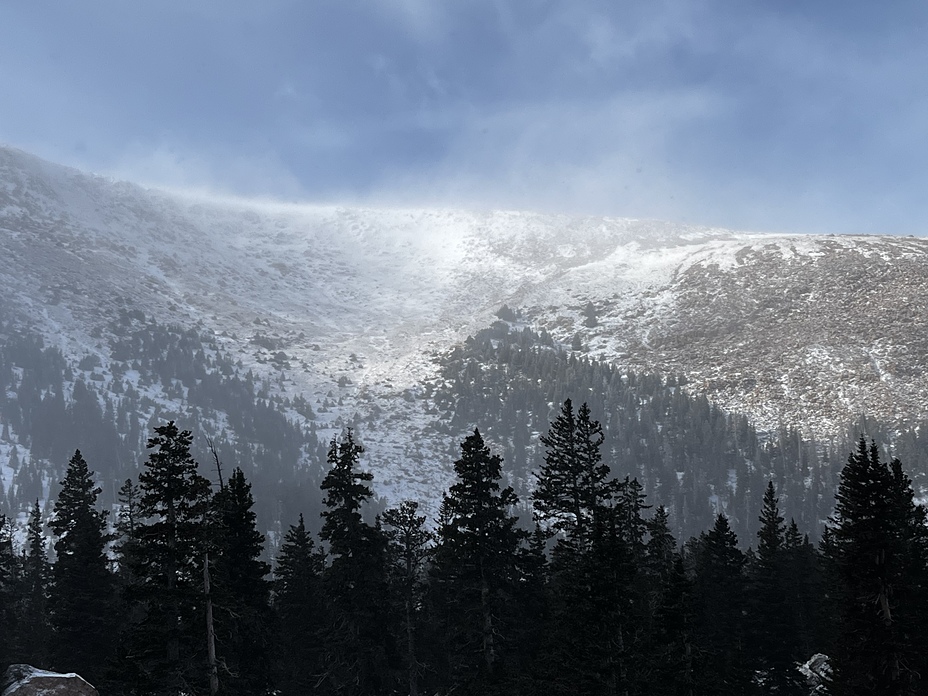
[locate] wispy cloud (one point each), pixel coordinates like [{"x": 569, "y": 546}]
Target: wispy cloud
[{"x": 808, "y": 116}]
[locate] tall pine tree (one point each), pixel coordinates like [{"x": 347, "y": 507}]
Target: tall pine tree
[
  {"x": 32, "y": 642},
  {"x": 240, "y": 590},
  {"x": 360, "y": 644},
  {"x": 167, "y": 639},
  {"x": 83, "y": 591},
  {"x": 410, "y": 546},
  {"x": 301, "y": 614},
  {"x": 875, "y": 539},
  {"x": 773, "y": 632},
  {"x": 476, "y": 570}
]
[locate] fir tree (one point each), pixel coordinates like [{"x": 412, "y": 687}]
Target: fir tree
[
  {"x": 167, "y": 636},
  {"x": 127, "y": 521},
  {"x": 300, "y": 607},
  {"x": 874, "y": 541},
  {"x": 719, "y": 622},
  {"x": 774, "y": 641},
  {"x": 573, "y": 482},
  {"x": 359, "y": 641},
  {"x": 475, "y": 572},
  {"x": 9, "y": 582},
  {"x": 240, "y": 589},
  {"x": 32, "y": 643},
  {"x": 409, "y": 548},
  {"x": 83, "y": 592}
]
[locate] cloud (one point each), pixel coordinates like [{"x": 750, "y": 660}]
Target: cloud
[
  {"x": 778, "y": 116},
  {"x": 178, "y": 168}
]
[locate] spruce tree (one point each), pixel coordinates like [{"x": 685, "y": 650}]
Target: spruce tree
[
  {"x": 127, "y": 520},
  {"x": 9, "y": 583},
  {"x": 240, "y": 589},
  {"x": 301, "y": 613},
  {"x": 409, "y": 548},
  {"x": 772, "y": 615},
  {"x": 573, "y": 483},
  {"x": 359, "y": 640},
  {"x": 720, "y": 594},
  {"x": 83, "y": 591},
  {"x": 875, "y": 541},
  {"x": 805, "y": 591},
  {"x": 32, "y": 641},
  {"x": 476, "y": 570},
  {"x": 167, "y": 642}
]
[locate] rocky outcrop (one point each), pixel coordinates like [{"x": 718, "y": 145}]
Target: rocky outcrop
[{"x": 25, "y": 680}]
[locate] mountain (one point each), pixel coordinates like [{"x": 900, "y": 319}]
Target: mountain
[{"x": 354, "y": 312}]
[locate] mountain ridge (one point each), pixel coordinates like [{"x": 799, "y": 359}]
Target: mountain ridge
[{"x": 353, "y": 306}]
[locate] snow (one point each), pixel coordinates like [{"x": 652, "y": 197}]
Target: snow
[{"x": 395, "y": 287}]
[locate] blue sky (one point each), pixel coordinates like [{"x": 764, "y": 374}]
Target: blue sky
[{"x": 780, "y": 116}]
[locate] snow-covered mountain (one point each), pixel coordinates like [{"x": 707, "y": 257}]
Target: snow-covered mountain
[{"x": 351, "y": 306}]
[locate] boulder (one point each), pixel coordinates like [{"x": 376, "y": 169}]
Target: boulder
[
  {"x": 817, "y": 672},
  {"x": 25, "y": 680}
]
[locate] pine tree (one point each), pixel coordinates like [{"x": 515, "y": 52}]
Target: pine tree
[
  {"x": 773, "y": 633},
  {"x": 409, "y": 548},
  {"x": 83, "y": 592},
  {"x": 875, "y": 540},
  {"x": 359, "y": 639},
  {"x": 240, "y": 590},
  {"x": 127, "y": 521},
  {"x": 573, "y": 482},
  {"x": 475, "y": 572},
  {"x": 9, "y": 583},
  {"x": 720, "y": 604},
  {"x": 805, "y": 591},
  {"x": 301, "y": 612},
  {"x": 167, "y": 640},
  {"x": 33, "y": 620},
  {"x": 599, "y": 606}
]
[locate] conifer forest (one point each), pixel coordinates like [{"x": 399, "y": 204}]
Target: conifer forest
[{"x": 588, "y": 592}]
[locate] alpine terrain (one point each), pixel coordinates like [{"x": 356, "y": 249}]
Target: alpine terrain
[{"x": 271, "y": 327}]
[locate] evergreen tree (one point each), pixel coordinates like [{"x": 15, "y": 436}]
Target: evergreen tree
[
  {"x": 476, "y": 571},
  {"x": 240, "y": 590},
  {"x": 673, "y": 645},
  {"x": 127, "y": 521},
  {"x": 83, "y": 591},
  {"x": 805, "y": 592},
  {"x": 300, "y": 607},
  {"x": 774, "y": 641},
  {"x": 875, "y": 540},
  {"x": 720, "y": 612},
  {"x": 32, "y": 642},
  {"x": 166, "y": 642},
  {"x": 598, "y": 606},
  {"x": 359, "y": 641},
  {"x": 409, "y": 548},
  {"x": 573, "y": 482},
  {"x": 9, "y": 582}
]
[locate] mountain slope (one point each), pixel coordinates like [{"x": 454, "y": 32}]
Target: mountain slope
[{"x": 351, "y": 307}]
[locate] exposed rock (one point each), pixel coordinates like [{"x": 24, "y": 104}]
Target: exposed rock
[
  {"x": 25, "y": 680},
  {"x": 817, "y": 672}
]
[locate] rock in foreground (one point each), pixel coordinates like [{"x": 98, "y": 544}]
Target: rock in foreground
[{"x": 25, "y": 680}]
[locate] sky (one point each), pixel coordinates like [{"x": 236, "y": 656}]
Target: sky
[{"x": 769, "y": 116}]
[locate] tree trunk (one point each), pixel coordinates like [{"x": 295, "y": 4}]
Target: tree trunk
[{"x": 210, "y": 633}]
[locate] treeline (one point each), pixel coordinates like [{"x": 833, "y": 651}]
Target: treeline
[
  {"x": 693, "y": 456},
  {"x": 154, "y": 373},
  {"x": 593, "y": 596}
]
